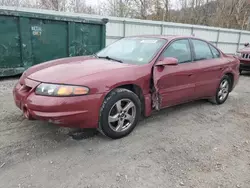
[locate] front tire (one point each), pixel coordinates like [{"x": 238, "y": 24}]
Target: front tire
[
  {"x": 223, "y": 91},
  {"x": 119, "y": 113}
]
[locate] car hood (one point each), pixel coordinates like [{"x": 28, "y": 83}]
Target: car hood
[
  {"x": 67, "y": 70},
  {"x": 245, "y": 50}
]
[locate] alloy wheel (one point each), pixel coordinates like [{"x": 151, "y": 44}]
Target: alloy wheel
[
  {"x": 224, "y": 90},
  {"x": 122, "y": 115}
]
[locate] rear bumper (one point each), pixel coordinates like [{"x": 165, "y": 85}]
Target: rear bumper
[{"x": 80, "y": 111}]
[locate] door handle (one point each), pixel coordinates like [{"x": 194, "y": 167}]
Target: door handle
[{"x": 190, "y": 75}]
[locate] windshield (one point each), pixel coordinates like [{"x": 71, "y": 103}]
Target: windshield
[{"x": 138, "y": 51}]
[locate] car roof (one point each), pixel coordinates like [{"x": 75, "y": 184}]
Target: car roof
[{"x": 167, "y": 37}]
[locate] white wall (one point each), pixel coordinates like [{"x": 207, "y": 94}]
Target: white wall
[{"x": 228, "y": 40}]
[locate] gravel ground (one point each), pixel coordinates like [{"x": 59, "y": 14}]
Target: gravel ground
[{"x": 191, "y": 145}]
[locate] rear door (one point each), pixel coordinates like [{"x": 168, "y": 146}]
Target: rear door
[
  {"x": 175, "y": 84},
  {"x": 210, "y": 65}
]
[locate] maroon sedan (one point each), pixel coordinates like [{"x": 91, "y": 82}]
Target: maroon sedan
[{"x": 132, "y": 77}]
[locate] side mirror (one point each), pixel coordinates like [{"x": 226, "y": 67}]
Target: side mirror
[
  {"x": 167, "y": 61},
  {"x": 246, "y": 44}
]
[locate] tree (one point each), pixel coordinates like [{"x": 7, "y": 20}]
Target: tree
[
  {"x": 9, "y": 2},
  {"x": 242, "y": 9},
  {"x": 166, "y": 10},
  {"x": 218, "y": 13},
  {"x": 143, "y": 8},
  {"x": 59, "y": 5}
]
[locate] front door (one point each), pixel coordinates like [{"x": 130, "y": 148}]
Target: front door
[{"x": 175, "y": 83}]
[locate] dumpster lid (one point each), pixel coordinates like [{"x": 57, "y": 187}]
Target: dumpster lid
[{"x": 52, "y": 15}]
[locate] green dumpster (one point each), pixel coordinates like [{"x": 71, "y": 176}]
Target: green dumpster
[{"x": 29, "y": 37}]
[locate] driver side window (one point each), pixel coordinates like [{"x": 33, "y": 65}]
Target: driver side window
[{"x": 180, "y": 50}]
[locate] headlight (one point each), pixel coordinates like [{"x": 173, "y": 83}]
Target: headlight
[{"x": 60, "y": 90}]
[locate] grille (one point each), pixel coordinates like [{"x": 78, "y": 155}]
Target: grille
[{"x": 246, "y": 56}]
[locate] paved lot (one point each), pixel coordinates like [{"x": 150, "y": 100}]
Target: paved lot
[{"x": 191, "y": 145}]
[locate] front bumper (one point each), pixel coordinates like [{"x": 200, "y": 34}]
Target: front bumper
[
  {"x": 245, "y": 65},
  {"x": 77, "y": 111}
]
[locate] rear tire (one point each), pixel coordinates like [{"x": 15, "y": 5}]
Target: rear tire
[
  {"x": 223, "y": 91},
  {"x": 119, "y": 113}
]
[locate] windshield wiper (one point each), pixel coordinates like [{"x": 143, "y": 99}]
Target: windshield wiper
[{"x": 110, "y": 58}]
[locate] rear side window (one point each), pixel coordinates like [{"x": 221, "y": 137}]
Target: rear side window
[
  {"x": 215, "y": 52},
  {"x": 201, "y": 50},
  {"x": 180, "y": 50}
]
